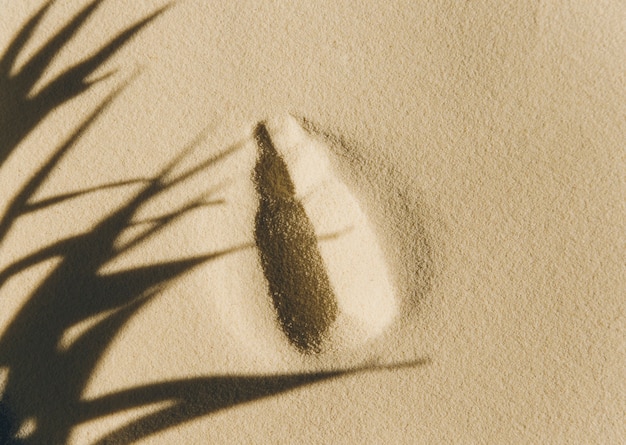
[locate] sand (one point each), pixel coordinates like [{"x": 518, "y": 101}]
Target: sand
[{"x": 461, "y": 165}]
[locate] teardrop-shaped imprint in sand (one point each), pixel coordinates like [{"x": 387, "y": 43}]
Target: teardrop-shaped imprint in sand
[{"x": 325, "y": 271}]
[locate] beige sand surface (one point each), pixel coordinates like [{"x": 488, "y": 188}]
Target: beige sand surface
[{"x": 485, "y": 141}]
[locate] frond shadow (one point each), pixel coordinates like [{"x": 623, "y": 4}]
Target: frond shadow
[
  {"x": 21, "y": 110},
  {"x": 46, "y": 381},
  {"x": 197, "y": 397}
]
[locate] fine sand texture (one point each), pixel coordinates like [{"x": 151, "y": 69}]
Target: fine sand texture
[{"x": 333, "y": 222}]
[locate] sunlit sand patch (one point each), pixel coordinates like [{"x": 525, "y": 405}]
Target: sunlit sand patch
[
  {"x": 74, "y": 332},
  {"x": 328, "y": 294},
  {"x": 4, "y": 378},
  {"x": 27, "y": 428}
]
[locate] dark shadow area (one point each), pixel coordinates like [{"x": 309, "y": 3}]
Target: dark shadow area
[
  {"x": 46, "y": 379},
  {"x": 303, "y": 297}
]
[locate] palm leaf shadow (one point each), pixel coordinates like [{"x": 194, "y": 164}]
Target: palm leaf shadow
[
  {"x": 21, "y": 110},
  {"x": 196, "y": 397},
  {"x": 46, "y": 382},
  {"x": 46, "y": 377}
]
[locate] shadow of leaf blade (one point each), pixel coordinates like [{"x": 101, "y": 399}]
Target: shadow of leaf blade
[
  {"x": 55, "y": 422},
  {"x": 56, "y": 249},
  {"x": 34, "y": 68},
  {"x": 196, "y": 397},
  {"x": 20, "y": 113},
  {"x": 17, "y": 205},
  {"x": 73, "y": 81},
  {"x": 111, "y": 291},
  {"x": 19, "y": 41},
  {"x": 160, "y": 223},
  {"x": 48, "y": 378},
  {"x": 57, "y": 199}
]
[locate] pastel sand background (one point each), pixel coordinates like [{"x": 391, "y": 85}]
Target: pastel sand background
[{"x": 484, "y": 141}]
